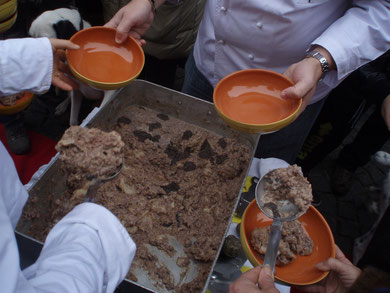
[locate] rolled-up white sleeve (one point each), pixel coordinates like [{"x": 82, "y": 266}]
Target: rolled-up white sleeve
[
  {"x": 361, "y": 35},
  {"x": 89, "y": 250},
  {"x": 25, "y": 64}
]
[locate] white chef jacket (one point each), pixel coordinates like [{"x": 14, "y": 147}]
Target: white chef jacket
[
  {"x": 88, "y": 250},
  {"x": 273, "y": 34}
]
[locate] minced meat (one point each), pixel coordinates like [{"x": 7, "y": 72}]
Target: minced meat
[
  {"x": 287, "y": 184},
  {"x": 294, "y": 241}
]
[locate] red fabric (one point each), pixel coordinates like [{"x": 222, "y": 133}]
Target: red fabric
[{"x": 42, "y": 150}]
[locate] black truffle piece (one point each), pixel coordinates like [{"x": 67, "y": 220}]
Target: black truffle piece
[
  {"x": 123, "y": 120},
  {"x": 163, "y": 116},
  {"x": 173, "y": 186},
  {"x": 189, "y": 166},
  {"x": 187, "y": 135},
  {"x": 153, "y": 126},
  {"x": 206, "y": 151}
]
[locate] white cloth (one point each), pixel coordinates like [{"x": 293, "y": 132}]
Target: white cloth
[
  {"x": 25, "y": 64},
  {"x": 88, "y": 250},
  {"x": 235, "y": 35}
]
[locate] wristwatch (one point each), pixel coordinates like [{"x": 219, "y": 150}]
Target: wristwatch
[{"x": 324, "y": 63}]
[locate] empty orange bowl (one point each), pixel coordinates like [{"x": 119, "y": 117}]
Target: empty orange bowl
[
  {"x": 250, "y": 100},
  {"x": 101, "y": 62},
  {"x": 20, "y": 105},
  {"x": 301, "y": 271}
]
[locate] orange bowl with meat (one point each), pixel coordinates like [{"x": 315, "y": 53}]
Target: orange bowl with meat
[
  {"x": 19, "y": 105},
  {"x": 300, "y": 271}
]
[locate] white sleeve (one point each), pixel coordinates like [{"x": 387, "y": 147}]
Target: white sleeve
[
  {"x": 25, "y": 64},
  {"x": 87, "y": 251},
  {"x": 12, "y": 191},
  {"x": 360, "y": 36}
]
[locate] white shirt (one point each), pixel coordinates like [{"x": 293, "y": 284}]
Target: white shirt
[
  {"x": 273, "y": 34},
  {"x": 89, "y": 250}
]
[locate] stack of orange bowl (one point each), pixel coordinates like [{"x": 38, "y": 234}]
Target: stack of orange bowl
[
  {"x": 19, "y": 106},
  {"x": 250, "y": 100},
  {"x": 8, "y": 14}
]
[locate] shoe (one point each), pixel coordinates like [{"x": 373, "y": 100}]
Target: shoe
[
  {"x": 17, "y": 137},
  {"x": 341, "y": 180}
]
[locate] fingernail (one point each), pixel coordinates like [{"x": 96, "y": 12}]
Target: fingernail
[{"x": 268, "y": 271}]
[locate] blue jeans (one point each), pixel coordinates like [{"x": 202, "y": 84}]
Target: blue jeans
[{"x": 284, "y": 144}]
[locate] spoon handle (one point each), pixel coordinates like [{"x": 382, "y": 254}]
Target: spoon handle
[
  {"x": 273, "y": 244},
  {"x": 92, "y": 190}
]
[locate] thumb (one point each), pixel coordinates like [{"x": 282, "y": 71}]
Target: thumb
[
  {"x": 332, "y": 264},
  {"x": 120, "y": 37},
  {"x": 294, "y": 92},
  {"x": 266, "y": 278}
]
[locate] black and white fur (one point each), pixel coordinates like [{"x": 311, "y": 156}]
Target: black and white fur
[{"x": 62, "y": 23}]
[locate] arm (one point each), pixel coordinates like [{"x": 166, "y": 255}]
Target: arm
[
  {"x": 386, "y": 111},
  {"x": 20, "y": 59},
  {"x": 361, "y": 35},
  {"x": 27, "y": 64},
  {"x": 87, "y": 251}
]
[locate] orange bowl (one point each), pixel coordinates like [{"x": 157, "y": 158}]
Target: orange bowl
[
  {"x": 101, "y": 62},
  {"x": 301, "y": 271},
  {"x": 20, "y": 105},
  {"x": 250, "y": 100}
]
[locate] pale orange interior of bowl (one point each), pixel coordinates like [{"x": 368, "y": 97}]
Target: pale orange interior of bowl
[
  {"x": 253, "y": 97},
  {"x": 101, "y": 59},
  {"x": 301, "y": 271}
]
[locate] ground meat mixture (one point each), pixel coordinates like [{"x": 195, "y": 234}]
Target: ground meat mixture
[
  {"x": 11, "y": 99},
  {"x": 294, "y": 241},
  {"x": 286, "y": 184},
  {"x": 89, "y": 153},
  {"x": 177, "y": 188}
]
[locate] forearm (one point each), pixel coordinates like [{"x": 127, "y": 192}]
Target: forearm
[
  {"x": 361, "y": 35},
  {"x": 87, "y": 251},
  {"x": 25, "y": 64}
]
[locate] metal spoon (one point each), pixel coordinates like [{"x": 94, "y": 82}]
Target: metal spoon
[
  {"x": 279, "y": 211},
  {"x": 95, "y": 182}
]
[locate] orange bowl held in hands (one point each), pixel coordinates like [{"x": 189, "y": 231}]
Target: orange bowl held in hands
[
  {"x": 101, "y": 62},
  {"x": 301, "y": 271},
  {"x": 250, "y": 100}
]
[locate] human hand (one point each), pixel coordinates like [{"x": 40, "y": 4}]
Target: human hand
[
  {"x": 132, "y": 19},
  {"x": 341, "y": 277},
  {"x": 306, "y": 74},
  {"x": 386, "y": 111},
  {"x": 256, "y": 280},
  {"x": 60, "y": 68}
]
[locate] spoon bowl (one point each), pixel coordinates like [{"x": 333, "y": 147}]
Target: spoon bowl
[
  {"x": 95, "y": 183},
  {"x": 279, "y": 211}
]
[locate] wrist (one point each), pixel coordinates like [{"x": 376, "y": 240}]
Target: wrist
[
  {"x": 323, "y": 58},
  {"x": 153, "y": 5}
]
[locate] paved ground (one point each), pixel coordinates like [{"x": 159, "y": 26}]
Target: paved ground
[{"x": 354, "y": 214}]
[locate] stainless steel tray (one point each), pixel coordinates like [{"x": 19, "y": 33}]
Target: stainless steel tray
[{"x": 184, "y": 107}]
